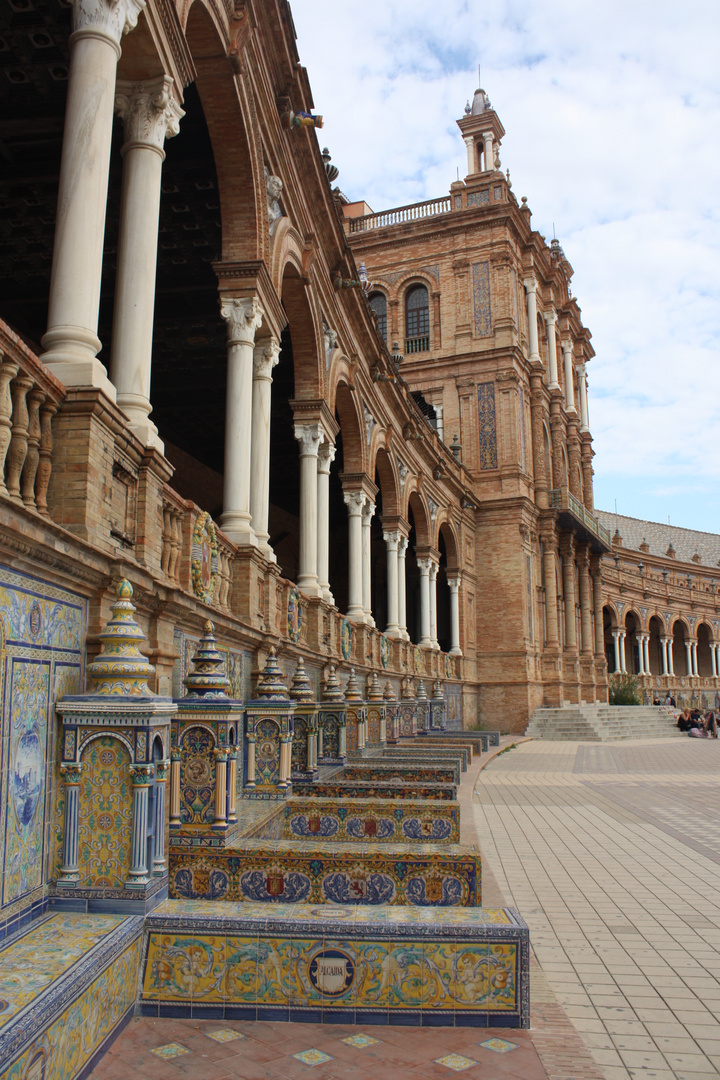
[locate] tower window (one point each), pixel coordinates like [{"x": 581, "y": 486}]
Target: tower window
[
  {"x": 378, "y": 303},
  {"x": 417, "y": 319}
]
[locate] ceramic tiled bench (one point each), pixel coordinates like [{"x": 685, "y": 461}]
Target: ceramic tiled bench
[
  {"x": 67, "y": 984},
  {"x": 348, "y": 965},
  {"x": 427, "y": 755},
  {"x": 377, "y": 789},
  {"x": 408, "y": 772},
  {"x": 308, "y": 871},
  {"x": 379, "y": 820}
]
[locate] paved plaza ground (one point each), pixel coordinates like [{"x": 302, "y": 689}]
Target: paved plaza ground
[{"x": 612, "y": 855}]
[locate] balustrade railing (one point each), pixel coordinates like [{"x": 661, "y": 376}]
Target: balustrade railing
[
  {"x": 563, "y": 499},
  {"x": 412, "y": 212},
  {"x": 29, "y": 398}
]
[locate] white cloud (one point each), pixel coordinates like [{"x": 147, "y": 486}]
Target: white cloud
[{"x": 612, "y": 114}]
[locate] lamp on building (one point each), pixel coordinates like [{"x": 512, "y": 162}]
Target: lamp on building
[
  {"x": 456, "y": 448},
  {"x": 397, "y": 357},
  {"x": 467, "y": 503},
  {"x": 665, "y": 576}
]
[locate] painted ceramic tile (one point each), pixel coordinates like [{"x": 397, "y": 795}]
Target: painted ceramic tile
[
  {"x": 267, "y": 756},
  {"x": 105, "y": 815},
  {"x": 361, "y": 1041},
  {"x": 225, "y": 1035},
  {"x": 456, "y": 1062},
  {"x": 312, "y": 1057},
  {"x": 197, "y": 769},
  {"x": 171, "y": 1050},
  {"x": 500, "y": 1046},
  {"x": 26, "y": 777}
]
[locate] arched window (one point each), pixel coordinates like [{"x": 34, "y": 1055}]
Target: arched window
[
  {"x": 417, "y": 319},
  {"x": 378, "y": 303}
]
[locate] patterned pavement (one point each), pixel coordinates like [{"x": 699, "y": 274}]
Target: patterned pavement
[{"x": 612, "y": 855}]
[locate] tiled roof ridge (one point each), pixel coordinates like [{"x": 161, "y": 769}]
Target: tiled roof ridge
[{"x": 610, "y": 515}]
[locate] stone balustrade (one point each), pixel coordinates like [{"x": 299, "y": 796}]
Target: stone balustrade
[{"x": 29, "y": 398}]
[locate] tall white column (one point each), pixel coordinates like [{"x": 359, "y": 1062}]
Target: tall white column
[
  {"x": 623, "y": 661},
  {"x": 150, "y": 114},
  {"x": 688, "y": 658},
  {"x": 713, "y": 660},
  {"x": 71, "y": 343},
  {"x": 671, "y": 658},
  {"x": 424, "y": 567},
  {"x": 243, "y": 317},
  {"x": 470, "y": 147},
  {"x": 355, "y": 501},
  {"x": 582, "y": 387},
  {"x": 402, "y": 593},
  {"x": 309, "y": 436},
  {"x": 550, "y": 323},
  {"x": 489, "y": 152},
  {"x": 367, "y": 514},
  {"x": 694, "y": 658},
  {"x": 646, "y": 646},
  {"x": 664, "y": 654},
  {"x": 326, "y": 456},
  {"x": 641, "y": 654},
  {"x": 569, "y": 387},
  {"x": 265, "y": 356},
  {"x": 616, "y": 643},
  {"x": 392, "y": 540},
  {"x": 533, "y": 344},
  {"x": 454, "y": 585},
  {"x": 434, "y": 567}
]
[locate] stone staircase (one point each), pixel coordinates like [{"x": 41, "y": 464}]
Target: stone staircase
[{"x": 603, "y": 723}]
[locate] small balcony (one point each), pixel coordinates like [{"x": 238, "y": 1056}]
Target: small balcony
[
  {"x": 576, "y": 515},
  {"x": 417, "y": 344}
]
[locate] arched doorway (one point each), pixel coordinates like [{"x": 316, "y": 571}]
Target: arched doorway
[
  {"x": 655, "y": 647},
  {"x": 679, "y": 652},
  {"x": 633, "y": 665},
  {"x": 704, "y": 663}
]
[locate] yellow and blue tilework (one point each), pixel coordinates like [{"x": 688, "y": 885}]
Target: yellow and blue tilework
[
  {"x": 380, "y": 820},
  {"x": 406, "y": 772},
  {"x": 66, "y": 984},
  {"x": 344, "y": 964},
  {"x": 378, "y": 789},
  {"x": 300, "y": 871}
]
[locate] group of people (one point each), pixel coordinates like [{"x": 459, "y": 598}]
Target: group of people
[{"x": 698, "y": 725}]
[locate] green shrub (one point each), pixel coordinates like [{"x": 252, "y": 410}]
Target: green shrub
[{"x": 624, "y": 690}]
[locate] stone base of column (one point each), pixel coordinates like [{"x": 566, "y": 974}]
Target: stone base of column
[
  {"x": 139, "y": 421},
  {"x": 68, "y": 879},
  {"x": 308, "y": 584},
  {"x": 456, "y": 651},
  {"x": 70, "y": 353},
  {"x": 137, "y": 881},
  {"x": 356, "y": 614},
  {"x": 327, "y": 595},
  {"x": 237, "y": 526},
  {"x": 393, "y": 632},
  {"x": 265, "y": 550},
  {"x": 426, "y": 642}
]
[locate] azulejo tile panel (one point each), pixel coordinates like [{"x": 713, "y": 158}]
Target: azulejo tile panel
[
  {"x": 382, "y": 821},
  {"x": 380, "y": 789},
  {"x": 197, "y": 771},
  {"x": 487, "y": 426},
  {"x": 79, "y": 976},
  {"x": 306, "y": 957},
  {"x": 405, "y": 772},
  {"x": 42, "y": 629},
  {"x": 481, "y": 299},
  {"x": 105, "y": 816},
  {"x": 297, "y": 872}
]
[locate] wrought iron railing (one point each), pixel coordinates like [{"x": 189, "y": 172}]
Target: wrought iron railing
[{"x": 563, "y": 499}]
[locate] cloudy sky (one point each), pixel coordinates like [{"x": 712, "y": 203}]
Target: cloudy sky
[{"x": 612, "y": 114}]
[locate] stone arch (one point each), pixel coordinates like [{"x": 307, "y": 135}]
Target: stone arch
[
  {"x": 352, "y": 429},
  {"x": 421, "y": 519},
  {"x": 704, "y": 640},
  {"x": 632, "y": 624},
  {"x": 680, "y": 633},
  {"x": 656, "y": 629},
  {"x": 157, "y": 749},
  {"x": 305, "y": 332},
  {"x": 112, "y": 735},
  {"x": 447, "y": 530},
  {"x": 389, "y": 486},
  {"x": 238, "y": 155}
]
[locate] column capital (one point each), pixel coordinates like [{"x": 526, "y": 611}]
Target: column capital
[
  {"x": 391, "y": 537},
  {"x": 142, "y": 775},
  {"x": 105, "y": 18},
  {"x": 368, "y": 511},
  {"x": 530, "y": 284},
  {"x": 309, "y": 436},
  {"x": 266, "y": 356},
  {"x": 453, "y": 580},
  {"x": 243, "y": 315},
  {"x": 354, "y": 500},
  {"x": 71, "y": 772},
  {"x": 566, "y": 346},
  {"x": 424, "y": 565},
  {"x": 434, "y": 567},
  {"x": 403, "y": 545},
  {"x": 550, "y": 317},
  {"x": 326, "y": 456},
  {"x": 580, "y": 368},
  {"x": 149, "y": 112}
]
